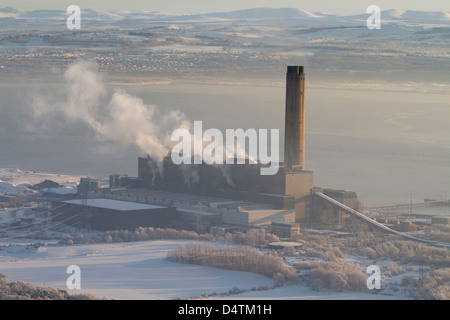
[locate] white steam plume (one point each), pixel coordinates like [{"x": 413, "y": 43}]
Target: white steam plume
[
  {"x": 118, "y": 117},
  {"x": 122, "y": 118}
]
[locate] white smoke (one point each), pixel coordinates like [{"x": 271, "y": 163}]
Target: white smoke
[
  {"x": 122, "y": 118},
  {"x": 155, "y": 167},
  {"x": 117, "y": 117},
  {"x": 190, "y": 174},
  {"x": 226, "y": 173}
]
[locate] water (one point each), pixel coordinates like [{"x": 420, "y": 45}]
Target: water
[{"x": 384, "y": 145}]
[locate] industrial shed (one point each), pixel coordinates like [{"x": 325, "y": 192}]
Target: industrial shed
[
  {"x": 248, "y": 218},
  {"x": 440, "y": 220},
  {"x": 109, "y": 214},
  {"x": 285, "y": 229},
  {"x": 10, "y": 201}
]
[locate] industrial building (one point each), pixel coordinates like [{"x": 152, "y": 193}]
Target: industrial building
[
  {"x": 201, "y": 212},
  {"x": 285, "y": 229},
  {"x": 109, "y": 214},
  {"x": 440, "y": 220},
  {"x": 87, "y": 184},
  {"x": 118, "y": 180},
  {"x": 10, "y": 201},
  {"x": 329, "y": 214},
  {"x": 258, "y": 217}
]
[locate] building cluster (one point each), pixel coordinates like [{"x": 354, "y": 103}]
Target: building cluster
[{"x": 231, "y": 196}]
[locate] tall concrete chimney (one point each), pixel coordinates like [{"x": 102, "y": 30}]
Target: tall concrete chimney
[{"x": 294, "y": 137}]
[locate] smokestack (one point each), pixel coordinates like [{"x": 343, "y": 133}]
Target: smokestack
[{"x": 294, "y": 137}]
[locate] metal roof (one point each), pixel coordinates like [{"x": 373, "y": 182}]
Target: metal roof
[{"x": 114, "y": 204}]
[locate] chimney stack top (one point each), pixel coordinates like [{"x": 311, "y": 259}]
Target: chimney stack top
[{"x": 295, "y": 69}]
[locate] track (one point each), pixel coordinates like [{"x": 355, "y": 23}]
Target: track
[{"x": 376, "y": 224}]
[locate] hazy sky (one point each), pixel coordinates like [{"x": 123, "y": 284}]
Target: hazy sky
[{"x": 341, "y": 7}]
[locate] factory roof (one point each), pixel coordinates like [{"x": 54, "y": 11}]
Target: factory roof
[
  {"x": 285, "y": 223},
  {"x": 181, "y": 200},
  {"x": 203, "y": 213},
  {"x": 114, "y": 204}
]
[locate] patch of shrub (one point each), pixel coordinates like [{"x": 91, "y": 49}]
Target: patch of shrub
[
  {"x": 27, "y": 291},
  {"x": 337, "y": 276},
  {"x": 395, "y": 268},
  {"x": 435, "y": 286},
  {"x": 242, "y": 258}
]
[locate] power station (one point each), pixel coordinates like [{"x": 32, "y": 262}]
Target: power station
[
  {"x": 233, "y": 195},
  {"x": 289, "y": 189}
]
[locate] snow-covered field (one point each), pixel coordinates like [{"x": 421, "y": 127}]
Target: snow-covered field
[
  {"x": 139, "y": 270},
  {"x": 136, "y": 270}
]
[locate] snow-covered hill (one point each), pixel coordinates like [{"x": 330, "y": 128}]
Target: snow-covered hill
[
  {"x": 266, "y": 14},
  {"x": 407, "y": 15},
  {"x": 262, "y": 14},
  {"x": 14, "y": 181}
]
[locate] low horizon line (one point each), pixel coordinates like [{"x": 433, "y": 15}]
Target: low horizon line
[{"x": 226, "y": 11}]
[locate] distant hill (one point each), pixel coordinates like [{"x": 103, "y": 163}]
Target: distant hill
[
  {"x": 408, "y": 15},
  {"x": 263, "y": 14},
  {"x": 266, "y": 13}
]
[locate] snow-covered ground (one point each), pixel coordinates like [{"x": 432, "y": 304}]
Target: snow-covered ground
[
  {"x": 139, "y": 270},
  {"x": 136, "y": 270},
  {"x": 298, "y": 292}
]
